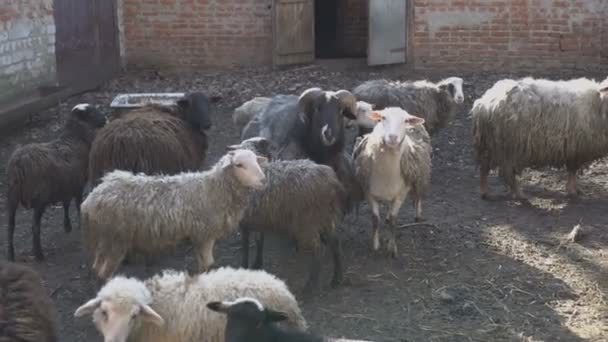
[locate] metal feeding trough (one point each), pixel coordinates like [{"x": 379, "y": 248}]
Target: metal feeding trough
[{"x": 142, "y": 99}]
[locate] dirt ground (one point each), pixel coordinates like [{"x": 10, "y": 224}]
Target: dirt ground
[{"x": 486, "y": 271}]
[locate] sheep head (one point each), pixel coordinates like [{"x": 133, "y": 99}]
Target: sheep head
[
  {"x": 246, "y": 167},
  {"x": 453, "y": 86},
  {"x": 324, "y": 112},
  {"x": 89, "y": 115},
  {"x": 393, "y": 123},
  {"x": 120, "y": 306},
  {"x": 195, "y": 108}
]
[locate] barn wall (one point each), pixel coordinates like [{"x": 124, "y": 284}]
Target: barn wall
[
  {"x": 27, "y": 46},
  {"x": 190, "y": 34},
  {"x": 509, "y": 34}
]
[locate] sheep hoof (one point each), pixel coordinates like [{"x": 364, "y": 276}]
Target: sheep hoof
[
  {"x": 484, "y": 196},
  {"x": 419, "y": 219}
]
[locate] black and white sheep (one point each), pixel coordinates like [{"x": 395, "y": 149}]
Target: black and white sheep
[
  {"x": 389, "y": 163},
  {"x": 26, "y": 311},
  {"x": 537, "y": 122},
  {"x": 248, "y": 320},
  {"x": 309, "y": 126},
  {"x": 171, "y": 306},
  {"x": 303, "y": 201},
  {"x": 434, "y": 102},
  {"x": 40, "y": 174},
  {"x": 154, "y": 139},
  {"x": 148, "y": 214}
]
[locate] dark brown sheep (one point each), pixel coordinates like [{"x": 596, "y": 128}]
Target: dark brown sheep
[
  {"x": 154, "y": 139},
  {"x": 40, "y": 174},
  {"x": 26, "y": 311}
]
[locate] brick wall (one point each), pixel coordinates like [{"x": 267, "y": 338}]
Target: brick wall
[
  {"x": 352, "y": 27},
  {"x": 510, "y": 33},
  {"x": 27, "y": 46},
  {"x": 197, "y": 33}
]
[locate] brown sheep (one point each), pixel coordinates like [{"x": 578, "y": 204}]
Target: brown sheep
[
  {"x": 41, "y": 174},
  {"x": 26, "y": 311},
  {"x": 154, "y": 139}
]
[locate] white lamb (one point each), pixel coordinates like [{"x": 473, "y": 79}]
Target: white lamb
[
  {"x": 389, "y": 163},
  {"x": 171, "y": 307}
]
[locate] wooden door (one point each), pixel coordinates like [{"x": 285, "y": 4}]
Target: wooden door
[
  {"x": 387, "y": 32},
  {"x": 293, "y": 32}
]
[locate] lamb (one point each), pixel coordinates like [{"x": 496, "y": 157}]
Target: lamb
[
  {"x": 41, "y": 174},
  {"x": 171, "y": 306},
  {"x": 248, "y": 320},
  {"x": 149, "y": 214},
  {"x": 309, "y": 126},
  {"x": 389, "y": 163},
  {"x": 154, "y": 139},
  {"x": 536, "y": 123},
  {"x": 434, "y": 102},
  {"x": 27, "y": 313},
  {"x": 303, "y": 201}
]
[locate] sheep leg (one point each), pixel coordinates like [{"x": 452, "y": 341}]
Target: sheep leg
[
  {"x": 205, "y": 255},
  {"x": 511, "y": 178},
  {"x": 571, "y": 183},
  {"x": 244, "y": 247},
  {"x": 336, "y": 249},
  {"x": 312, "y": 285},
  {"x": 417, "y": 206},
  {"x": 36, "y": 246},
  {"x": 484, "y": 171},
  {"x": 392, "y": 223},
  {"x": 67, "y": 225},
  {"x": 258, "y": 263},
  {"x": 110, "y": 266},
  {"x": 12, "y": 211},
  {"x": 375, "y": 224}
]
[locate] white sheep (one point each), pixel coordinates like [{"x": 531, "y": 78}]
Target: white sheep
[
  {"x": 535, "y": 123},
  {"x": 251, "y": 321},
  {"x": 151, "y": 213},
  {"x": 171, "y": 307},
  {"x": 389, "y": 163},
  {"x": 434, "y": 102}
]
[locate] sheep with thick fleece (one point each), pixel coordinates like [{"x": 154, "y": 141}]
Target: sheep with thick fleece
[
  {"x": 434, "y": 102},
  {"x": 536, "y": 123},
  {"x": 244, "y": 113},
  {"x": 171, "y": 307},
  {"x": 26, "y": 311},
  {"x": 148, "y": 214},
  {"x": 249, "y": 320},
  {"x": 304, "y": 201},
  {"x": 41, "y": 174},
  {"x": 389, "y": 163}
]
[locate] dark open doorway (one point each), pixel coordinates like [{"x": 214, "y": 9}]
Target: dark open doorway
[
  {"x": 341, "y": 28},
  {"x": 326, "y": 28}
]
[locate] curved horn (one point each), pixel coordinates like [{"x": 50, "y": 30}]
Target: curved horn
[
  {"x": 349, "y": 101},
  {"x": 307, "y": 98}
]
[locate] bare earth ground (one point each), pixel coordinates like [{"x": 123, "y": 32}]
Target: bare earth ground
[{"x": 489, "y": 271}]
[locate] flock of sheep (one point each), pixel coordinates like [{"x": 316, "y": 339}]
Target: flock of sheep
[{"x": 290, "y": 176}]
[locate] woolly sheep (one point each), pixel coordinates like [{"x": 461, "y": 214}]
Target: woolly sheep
[
  {"x": 154, "y": 139},
  {"x": 247, "y": 111},
  {"x": 304, "y": 201},
  {"x": 537, "y": 122},
  {"x": 434, "y": 102},
  {"x": 171, "y": 306},
  {"x": 149, "y": 214},
  {"x": 40, "y": 174},
  {"x": 27, "y": 313},
  {"x": 389, "y": 163},
  {"x": 248, "y": 320}
]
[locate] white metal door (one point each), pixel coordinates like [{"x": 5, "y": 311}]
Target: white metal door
[{"x": 387, "y": 32}]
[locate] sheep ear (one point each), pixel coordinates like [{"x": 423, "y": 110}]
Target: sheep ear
[
  {"x": 414, "y": 120},
  {"x": 376, "y": 116},
  {"x": 227, "y": 161},
  {"x": 604, "y": 90},
  {"x": 262, "y": 160},
  {"x": 217, "y": 307},
  {"x": 151, "y": 316},
  {"x": 87, "y": 307},
  {"x": 275, "y": 316}
]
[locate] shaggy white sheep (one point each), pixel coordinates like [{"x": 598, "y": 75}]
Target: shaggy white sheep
[
  {"x": 535, "y": 123},
  {"x": 389, "y": 163},
  {"x": 171, "y": 307},
  {"x": 149, "y": 214}
]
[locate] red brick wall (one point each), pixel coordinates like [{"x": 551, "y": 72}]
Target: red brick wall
[
  {"x": 197, "y": 33},
  {"x": 510, "y": 33},
  {"x": 352, "y": 27}
]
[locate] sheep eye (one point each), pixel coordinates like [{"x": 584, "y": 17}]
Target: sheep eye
[
  {"x": 239, "y": 165},
  {"x": 104, "y": 314}
]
